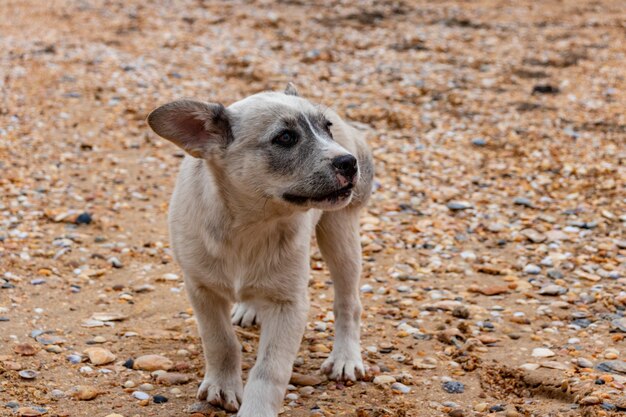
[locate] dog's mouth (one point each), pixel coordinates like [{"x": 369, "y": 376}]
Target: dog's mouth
[{"x": 337, "y": 195}]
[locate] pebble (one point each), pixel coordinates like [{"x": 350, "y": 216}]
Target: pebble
[
  {"x": 170, "y": 277},
  {"x": 619, "y": 324},
  {"x": 401, "y": 388},
  {"x": 143, "y": 288},
  {"x": 453, "y": 387},
  {"x": 31, "y": 411},
  {"x": 84, "y": 218},
  {"x": 25, "y": 349},
  {"x": 523, "y": 201},
  {"x": 590, "y": 400},
  {"x": 57, "y": 394},
  {"x": 84, "y": 392},
  {"x": 555, "y": 274},
  {"x": 140, "y": 395},
  {"x": 367, "y": 288},
  {"x": 552, "y": 290},
  {"x": 583, "y": 363},
  {"x": 479, "y": 142},
  {"x": 545, "y": 89},
  {"x": 152, "y": 363},
  {"x": 384, "y": 380},
  {"x": 481, "y": 407},
  {"x": 109, "y": 316},
  {"x": 304, "y": 379},
  {"x": 146, "y": 387},
  {"x": 532, "y": 269},
  {"x": 542, "y": 353},
  {"x": 115, "y": 262},
  {"x": 459, "y": 205},
  {"x": 615, "y": 366},
  {"x": 172, "y": 378},
  {"x": 28, "y": 374},
  {"x": 49, "y": 339},
  {"x": 159, "y": 399},
  {"x": 533, "y": 235},
  {"x": 530, "y": 366},
  {"x": 100, "y": 356},
  {"x": 74, "y": 358},
  {"x": 321, "y": 326}
]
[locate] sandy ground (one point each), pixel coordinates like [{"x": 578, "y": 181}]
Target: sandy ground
[{"x": 494, "y": 242}]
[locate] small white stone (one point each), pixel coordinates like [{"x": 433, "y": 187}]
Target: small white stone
[
  {"x": 468, "y": 256},
  {"x": 532, "y": 269},
  {"x": 530, "y": 366},
  {"x": 170, "y": 277},
  {"x": 542, "y": 353},
  {"x": 320, "y": 326},
  {"x": 140, "y": 395},
  {"x": 384, "y": 380}
]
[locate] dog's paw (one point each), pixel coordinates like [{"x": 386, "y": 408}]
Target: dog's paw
[
  {"x": 244, "y": 315},
  {"x": 227, "y": 396},
  {"x": 344, "y": 366}
]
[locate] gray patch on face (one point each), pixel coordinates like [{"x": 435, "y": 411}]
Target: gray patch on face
[{"x": 306, "y": 155}]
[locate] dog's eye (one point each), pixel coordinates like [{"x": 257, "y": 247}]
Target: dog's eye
[
  {"x": 328, "y": 124},
  {"x": 286, "y": 139}
]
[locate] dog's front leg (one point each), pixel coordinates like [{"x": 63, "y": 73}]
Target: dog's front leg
[
  {"x": 222, "y": 385},
  {"x": 338, "y": 239},
  {"x": 281, "y": 333}
]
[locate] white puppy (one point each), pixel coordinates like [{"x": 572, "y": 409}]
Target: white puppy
[{"x": 262, "y": 176}]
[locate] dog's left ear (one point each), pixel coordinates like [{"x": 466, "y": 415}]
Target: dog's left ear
[
  {"x": 194, "y": 126},
  {"x": 291, "y": 90}
]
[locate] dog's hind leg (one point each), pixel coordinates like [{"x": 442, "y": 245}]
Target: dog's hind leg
[
  {"x": 339, "y": 241},
  {"x": 244, "y": 315},
  {"x": 222, "y": 385}
]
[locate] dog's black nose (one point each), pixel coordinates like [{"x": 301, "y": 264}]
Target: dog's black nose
[{"x": 346, "y": 165}]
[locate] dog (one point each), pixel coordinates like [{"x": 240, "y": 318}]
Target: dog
[{"x": 259, "y": 178}]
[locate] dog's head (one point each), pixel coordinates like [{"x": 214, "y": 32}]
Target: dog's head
[{"x": 272, "y": 146}]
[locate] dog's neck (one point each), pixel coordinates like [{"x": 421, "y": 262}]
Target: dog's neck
[{"x": 244, "y": 212}]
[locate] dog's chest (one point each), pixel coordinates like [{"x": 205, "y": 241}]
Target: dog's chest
[{"x": 254, "y": 255}]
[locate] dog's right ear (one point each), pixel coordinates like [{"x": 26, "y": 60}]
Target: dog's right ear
[
  {"x": 291, "y": 90},
  {"x": 194, "y": 126}
]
